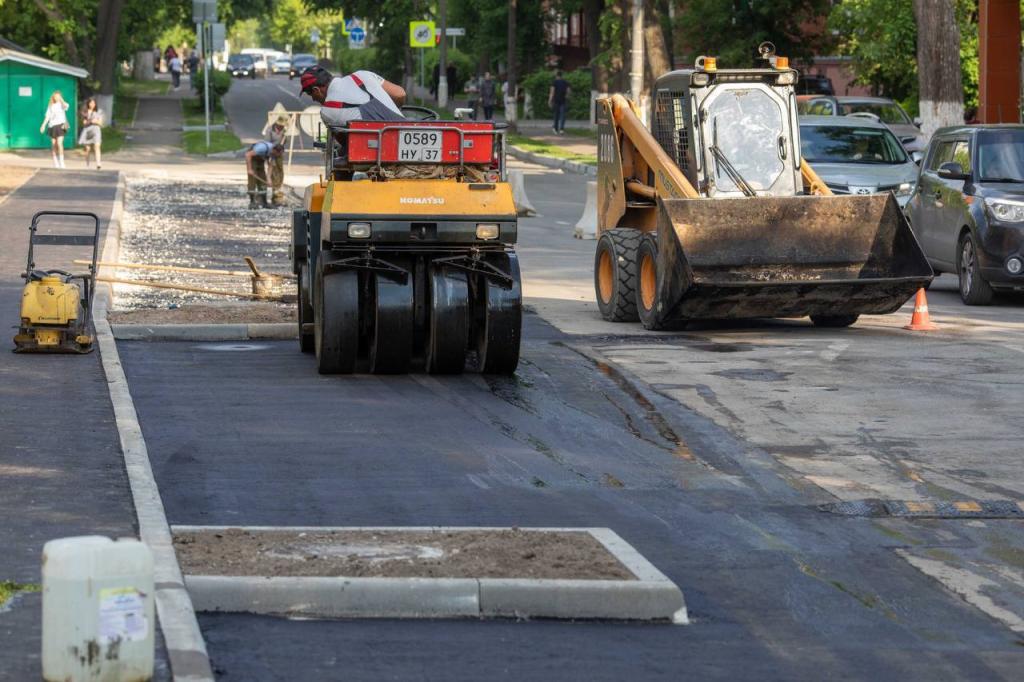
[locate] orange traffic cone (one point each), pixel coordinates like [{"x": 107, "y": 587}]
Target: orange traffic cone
[{"x": 919, "y": 321}]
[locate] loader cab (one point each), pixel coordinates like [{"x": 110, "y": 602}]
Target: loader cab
[{"x": 732, "y": 132}]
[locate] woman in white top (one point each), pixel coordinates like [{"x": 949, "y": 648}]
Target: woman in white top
[
  {"x": 56, "y": 125},
  {"x": 92, "y": 135}
]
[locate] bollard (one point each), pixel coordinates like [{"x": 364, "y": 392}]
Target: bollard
[
  {"x": 586, "y": 228},
  {"x": 523, "y": 205},
  {"x": 98, "y": 622}
]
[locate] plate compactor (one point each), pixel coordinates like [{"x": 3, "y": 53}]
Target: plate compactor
[
  {"x": 56, "y": 312},
  {"x": 405, "y": 250},
  {"x": 710, "y": 211}
]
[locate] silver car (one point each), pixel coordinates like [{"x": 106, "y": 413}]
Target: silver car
[
  {"x": 855, "y": 155},
  {"x": 875, "y": 108}
]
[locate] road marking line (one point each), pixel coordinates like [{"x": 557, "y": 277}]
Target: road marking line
[{"x": 182, "y": 637}]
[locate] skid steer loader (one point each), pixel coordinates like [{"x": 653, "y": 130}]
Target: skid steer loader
[
  {"x": 711, "y": 213},
  {"x": 405, "y": 250}
]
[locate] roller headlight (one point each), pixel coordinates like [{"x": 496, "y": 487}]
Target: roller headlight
[
  {"x": 359, "y": 230},
  {"x": 1006, "y": 211},
  {"x": 487, "y": 230}
]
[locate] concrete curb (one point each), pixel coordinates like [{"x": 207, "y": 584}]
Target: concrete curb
[
  {"x": 651, "y": 597},
  {"x": 205, "y": 332},
  {"x": 551, "y": 162},
  {"x": 185, "y": 646}
]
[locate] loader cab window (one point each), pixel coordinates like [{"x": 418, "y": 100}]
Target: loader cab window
[{"x": 747, "y": 126}]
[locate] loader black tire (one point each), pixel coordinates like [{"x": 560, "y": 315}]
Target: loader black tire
[
  {"x": 615, "y": 274},
  {"x": 833, "y": 321},
  {"x": 307, "y": 342},
  {"x": 647, "y": 282},
  {"x": 336, "y": 320}
]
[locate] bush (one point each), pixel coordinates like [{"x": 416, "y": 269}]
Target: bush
[
  {"x": 538, "y": 84},
  {"x": 348, "y": 60},
  {"x": 465, "y": 67},
  {"x": 219, "y": 86}
]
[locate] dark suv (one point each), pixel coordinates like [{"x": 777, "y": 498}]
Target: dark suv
[{"x": 967, "y": 210}]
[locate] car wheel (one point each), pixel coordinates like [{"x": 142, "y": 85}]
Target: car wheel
[{"x": 974, "y": 290}]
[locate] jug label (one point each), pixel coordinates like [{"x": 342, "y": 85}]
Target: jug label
[{"x": 122, "y": 615}]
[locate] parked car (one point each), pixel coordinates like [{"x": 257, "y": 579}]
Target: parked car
[
  {"x": 281, "y": 65},
  {"x": 857, "y": 156},
  {"x": 876, "y": 108},
  {"x": 301, "y": 62},
  {"x": 968, "y": 208},
  {"x": 242, "y": 66}
]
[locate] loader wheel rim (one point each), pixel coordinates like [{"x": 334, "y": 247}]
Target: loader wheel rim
[
  {"x": 605, "y": 276},
  {"x": 648, "y": 281}
]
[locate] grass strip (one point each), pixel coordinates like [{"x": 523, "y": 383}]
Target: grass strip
[
  {"x": 547, "y": 149},
  {"x": 9, "y": 588},
  {"x": 134, "y": 88},
  {"x": 195, "y": 113},
  {"x": 220, "y": 141}
]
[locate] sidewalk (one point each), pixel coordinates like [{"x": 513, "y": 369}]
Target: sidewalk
[
  {"x": 156, "y": 130},
  {"x": 60, "y": 455}
]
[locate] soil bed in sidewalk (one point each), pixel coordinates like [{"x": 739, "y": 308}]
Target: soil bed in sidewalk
[
  {"x": 208, "y": 313},
  {"x": 198, "y": 224},
  {"x": 500, "y": 553}
]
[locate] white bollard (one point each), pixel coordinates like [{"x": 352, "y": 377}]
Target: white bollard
[
  {"x": 98, "y": 621},
  {"x": 586, "y": 228},
  {"x": 518, "y": 182}
]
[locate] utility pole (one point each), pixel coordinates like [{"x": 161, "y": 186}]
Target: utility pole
[
  {"x": 442, "y": 64},
  {"x": 511, "y": 113}
]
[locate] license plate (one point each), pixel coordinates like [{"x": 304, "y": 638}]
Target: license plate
[{"x": 419, "y": 146}]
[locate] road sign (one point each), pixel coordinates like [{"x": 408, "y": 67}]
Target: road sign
[
  {"x": 356, "y": 37},
  {"x": 421, "y": 34},
  {"x": 217, "y": 37},
  {"x": 349, "y": 25},
  {"x": 204, "y": 10},
  {"x": 314, "y": 36}
]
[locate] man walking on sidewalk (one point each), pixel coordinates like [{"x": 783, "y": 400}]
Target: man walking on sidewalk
[
  {"x": 488, "y": 96},
  {"x": 558, "y": 100},
  {"x": 175, "y": 67},
  {"x": 258, "y": 162}
]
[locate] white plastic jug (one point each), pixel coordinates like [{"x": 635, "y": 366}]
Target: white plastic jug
[{"x": 97, "y": 610}]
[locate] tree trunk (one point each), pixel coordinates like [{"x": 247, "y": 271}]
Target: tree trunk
[
  {"x": 55, "y": 16},
  {"x": 108, "y": 26},
  {"x": 938, "y": 65},
  {"x": 659, "y": 61},
  {"x": 591, "y": 15},
  {"x": 510, "y": 69}
]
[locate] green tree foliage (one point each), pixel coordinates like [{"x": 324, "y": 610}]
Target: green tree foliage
[
  {"x": 247, "y": 33},
  {"x": 881, "y": 37},
  {"x": 290, "y": 24},
  {"x": 731, "y": 31}
]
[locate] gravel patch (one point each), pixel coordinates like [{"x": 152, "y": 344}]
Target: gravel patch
[
  {"x": 201, "y": 313},
  {"x": 197, "y": 224},
  {"x": 507, "y": 553}
]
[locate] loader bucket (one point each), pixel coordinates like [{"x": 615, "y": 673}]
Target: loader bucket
[{"x": 785, "y": 257}]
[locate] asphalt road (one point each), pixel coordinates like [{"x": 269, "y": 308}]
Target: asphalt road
[{"x": 248, "y": 102}]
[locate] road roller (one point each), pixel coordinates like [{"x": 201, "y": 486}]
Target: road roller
[{"x": 404, "y": 251}]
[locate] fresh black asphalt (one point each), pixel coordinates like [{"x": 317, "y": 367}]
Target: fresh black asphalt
[
  {"x": 250, "y": 434},
  {"x": 60, "y": 456}
]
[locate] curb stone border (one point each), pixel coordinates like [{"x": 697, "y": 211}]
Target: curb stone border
[
  {"x": 177, "y": 619},
  {"x": 652, "y": 596},
  {"x": 205, "y": 332},
  {"x": 550, "y": 162}
]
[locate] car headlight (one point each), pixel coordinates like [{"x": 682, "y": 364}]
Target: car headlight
[
  {"x": 905, "y": 189},
  {"x": 1006, "y": 211},
  {"x": 359, "y": 230}
]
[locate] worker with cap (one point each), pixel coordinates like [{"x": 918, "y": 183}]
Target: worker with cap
[
  {"x": 258, "y": 161},
  {"x": 277, "y": 135},
  {"x": 359, "y": 96}
]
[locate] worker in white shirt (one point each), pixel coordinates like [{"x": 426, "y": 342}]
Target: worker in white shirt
[{"x": 359, "y": 96}]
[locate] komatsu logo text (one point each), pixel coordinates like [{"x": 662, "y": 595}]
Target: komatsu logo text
[{"x": 421, "y": 200}]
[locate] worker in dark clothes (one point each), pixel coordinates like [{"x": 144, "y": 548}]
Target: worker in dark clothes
[{"x": 258, "y": 163}]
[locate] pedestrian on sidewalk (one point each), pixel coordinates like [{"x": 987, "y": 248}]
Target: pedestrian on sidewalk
[
  {"x": 55, "y": 124},
  {"x": 258, "y": 162},
  {"x": 175, "y": 66},
  {"x": 488, "y": 96},
  {"x": 92, "y": 135},
  {"x": 193, "y": 68},
  {"x": 558, "y": 101}
]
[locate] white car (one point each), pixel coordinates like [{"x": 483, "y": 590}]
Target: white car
[{"x": 281, "y": 65}]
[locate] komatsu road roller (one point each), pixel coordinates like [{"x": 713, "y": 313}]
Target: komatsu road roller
[
  {"x": 709, "y": 211},
  {"x": 405, "y": 250},
  {"x": 56, "y": 310}
]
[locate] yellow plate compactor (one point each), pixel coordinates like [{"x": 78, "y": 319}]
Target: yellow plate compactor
[{"x": 55, "y": 311}]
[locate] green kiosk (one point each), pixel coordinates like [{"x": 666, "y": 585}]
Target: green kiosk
[{"x": 26, "y": 83}]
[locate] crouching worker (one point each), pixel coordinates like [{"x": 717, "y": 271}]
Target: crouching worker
[{"x": 259, "y": 165}]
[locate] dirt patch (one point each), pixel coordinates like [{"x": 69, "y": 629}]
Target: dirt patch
[
  {"x": 193, "y": 313},
  {"x": 13, "y": 177},
  {"x": 509, "y": 553}
]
